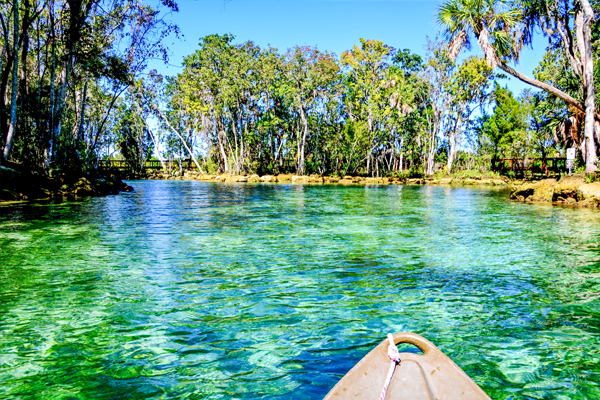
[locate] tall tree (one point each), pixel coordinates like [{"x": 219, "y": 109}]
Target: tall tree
[
  {"x": 505, "y": 132},
  {"x": 434, "y": 98},
  {"x": 14, "y": 86},
  {"x": 367, "y": 66},
  {"x": 467, "y": 90},
  {"x": 311, "y": 74}
]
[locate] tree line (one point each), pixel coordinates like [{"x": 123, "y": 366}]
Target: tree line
[
  {"x": 65, "y": 66},
  {"x": 75, "y": 91},
  {"x": 372, "y": 111}
]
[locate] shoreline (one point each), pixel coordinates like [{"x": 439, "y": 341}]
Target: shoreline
[
  {"x": 318, "y": 179},
  {"x": 571, "y": 191},
  {"x": 16, "y": 186}
]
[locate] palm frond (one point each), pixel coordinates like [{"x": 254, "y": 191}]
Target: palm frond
[
  {"x": 503, "y": 43},
  {"x": 447, "y": 14}
]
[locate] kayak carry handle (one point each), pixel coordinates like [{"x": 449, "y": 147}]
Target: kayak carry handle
[
  {"x": 412, "y": 338},
  {"x": 431, "y": 375}
]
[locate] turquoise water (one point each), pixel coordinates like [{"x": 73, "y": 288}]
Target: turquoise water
[{"x": 215, "y": 291}]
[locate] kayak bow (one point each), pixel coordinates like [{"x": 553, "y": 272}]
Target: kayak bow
[{"x": 428, "y": 376}]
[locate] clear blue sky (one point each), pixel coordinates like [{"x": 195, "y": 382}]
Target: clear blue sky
[{"x": 332, "y": 25}]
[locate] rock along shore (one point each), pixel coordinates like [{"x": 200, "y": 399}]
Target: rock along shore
[
  {"x": 15, "y": 185},
  {"x": 318, "y": 179},
  {"x": 568, "y": 190}
]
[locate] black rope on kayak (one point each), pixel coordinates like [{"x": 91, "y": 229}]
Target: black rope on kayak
[{"x": 394, "y": 355}]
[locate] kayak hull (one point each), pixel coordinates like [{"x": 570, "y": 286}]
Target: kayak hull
[{"x": 428, "y": 376}]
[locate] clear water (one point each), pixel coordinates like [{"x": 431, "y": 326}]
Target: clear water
[{"x": 216, "y": 291}]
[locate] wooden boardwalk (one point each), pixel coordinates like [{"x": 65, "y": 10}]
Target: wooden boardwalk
[
  {"x": 124, "y": 165},
  {"x": 550, "y": 166}
]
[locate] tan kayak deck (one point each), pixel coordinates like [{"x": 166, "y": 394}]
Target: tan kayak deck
[{"x": 428, "y": 376}]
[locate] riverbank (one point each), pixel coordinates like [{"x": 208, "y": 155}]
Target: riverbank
[
  {"x": 568, "y": 190},
  {"x": 16, "y": 185},
  {"x": 318, "y": 179}
]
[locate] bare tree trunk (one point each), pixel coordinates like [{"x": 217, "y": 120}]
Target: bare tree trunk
[
  {"x": 220, "y": 135},
  {"x": 13, "y": 104},
  {"x": 79, "y": 133},
  {"x": 401, "y": 153},
  {"x": 24, "y": 45},
  {"x": 52, "y": 141},
  {"x": 579, "y": 22},
  {"x": 6, "y": 29},
  {"x": 430, "y": 159},
  {"x": 235, "y": 155},
  {"x": 590, "y": 106},
  {"x": 370, "y": 131},
  {"x": 278, "y": 153},
  {"x": 166, "y": 121},
  {"x": 544, "y": 86},
  {"x": 452, "y": 151},
  {"x": 431, "y": 152},
  {"x": 350, "y": 158},
  {"x": 302, "y": 145},
  {"x": 180, "y": 162},
  {"x": 162, "y": 162},
  {"x": 77, "y": 15},
  {"x": 62, "y": 94},
  {"x": 243, "y": 146},
  {"x": 64, "y": 75},
  {"x": 453, "y": 143},
  {"x": 39, "y": 87}
]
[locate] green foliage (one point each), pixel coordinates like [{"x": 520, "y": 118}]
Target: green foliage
[
  {"x": 408, "y": 62},
  {"x": 591, "y": 178},
  {"x": 490, "y": 21},
  {"x": 76, "y": 60},
  {"x": 244, "y": 109},
  {"x": 502, "y": 28},
  {"x": 133, "y": 140},
  {"x": 505, "y": 133}
]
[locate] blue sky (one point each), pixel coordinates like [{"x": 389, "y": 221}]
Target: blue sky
[{"x": 332, "y": 25}]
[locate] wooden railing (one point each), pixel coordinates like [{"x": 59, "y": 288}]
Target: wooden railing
[
  {"x": 148, "y": 164},
  {"x": 541, "y": 166}
]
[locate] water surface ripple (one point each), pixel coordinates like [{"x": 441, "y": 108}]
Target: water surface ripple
[{"x": 223, "y": 291}]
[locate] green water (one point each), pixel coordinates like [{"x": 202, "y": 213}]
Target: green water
[{"x": 215, "y": 291}]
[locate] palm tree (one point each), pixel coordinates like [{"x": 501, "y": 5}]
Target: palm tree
[
  {"x": 493, "y": 23},
  {"x": 501, "y": 30}
]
